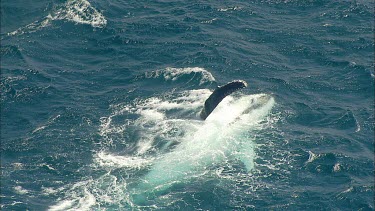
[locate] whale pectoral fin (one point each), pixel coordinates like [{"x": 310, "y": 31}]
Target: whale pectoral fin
[{"x": 219, "y": 94}]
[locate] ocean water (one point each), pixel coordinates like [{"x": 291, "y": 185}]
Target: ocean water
[{"x": 100, "y": 103}]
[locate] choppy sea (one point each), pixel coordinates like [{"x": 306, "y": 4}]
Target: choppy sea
[{"x": 100, "y": 103}]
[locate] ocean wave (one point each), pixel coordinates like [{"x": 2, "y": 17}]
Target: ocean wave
[
  {"x": 77, "y": 11},
  {"x": 81, "y": 12},
  {"x": 175, "y": 74}
]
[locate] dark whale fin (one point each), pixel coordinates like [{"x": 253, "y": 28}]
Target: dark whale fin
[{"x": 219, "y": 94}]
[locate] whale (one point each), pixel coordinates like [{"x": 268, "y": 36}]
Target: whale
[
  {"x": 218, "y": 95},
  {"x": 173, "y": 154},
  {"x": 223, "y": 136}
]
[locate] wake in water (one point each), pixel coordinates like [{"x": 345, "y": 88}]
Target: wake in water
[
  {"x": 77, "y": 11},
  {"x": 169, "y": 145}
]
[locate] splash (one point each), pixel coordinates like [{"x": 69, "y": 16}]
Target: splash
[
  {"x": 170, "y": 145},
  {"x": 223, "y": 137}
]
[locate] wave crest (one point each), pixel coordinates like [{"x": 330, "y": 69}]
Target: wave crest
[
  {"x": 78, "y": 11},
  {"x": 81, "y": 12},
  {"x": 175, "y": 74}
]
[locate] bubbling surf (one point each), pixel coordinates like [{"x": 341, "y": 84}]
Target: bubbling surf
[
  {"x": 170, "y": 145},
  {"x": 221, "y": 137}
]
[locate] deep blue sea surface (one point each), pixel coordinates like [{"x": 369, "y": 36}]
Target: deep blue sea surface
[{"x": 100, "y": 102}]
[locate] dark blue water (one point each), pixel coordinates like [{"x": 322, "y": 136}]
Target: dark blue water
[{"x": 99, "y": 105}]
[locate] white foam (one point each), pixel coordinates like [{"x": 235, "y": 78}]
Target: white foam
[
  {"x": 18, "y": 165},
  {"x": 81, "y": 12},
  {"x": 144, "y": 146},
  {"x": 20, "y": 190},
  {"x": 151, "y": 115},
  {"x": 39, "y": 128},
  {"x": 32, "y": 27},
  {"x": 78, "y": 198},
  {"x": 48, "y": 166},
  {"x": 48, "y": 190},
  {"x": 82, "y": 203},
  {"x": 217, "y": 139},
  {"x": 62, "y": 205},
  {"x": 78, "y": 11},
  {"x": 108, "y": 160},
  {"x": 229, "y": 9},
  {"x": 171, "y": 142},
  {"x": 152, "y": 121},
  {"x": 49, "y": 122},
  {"x": 337, "y": 167},
  {"x": 209, "y": 21},
  {"x": 91, "y": 193},
  {"x": 358, "y": 126},
  {"x": 173, "y": 74}
]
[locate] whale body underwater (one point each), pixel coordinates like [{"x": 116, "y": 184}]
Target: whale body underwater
[{"x": 222, "y": 136}]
